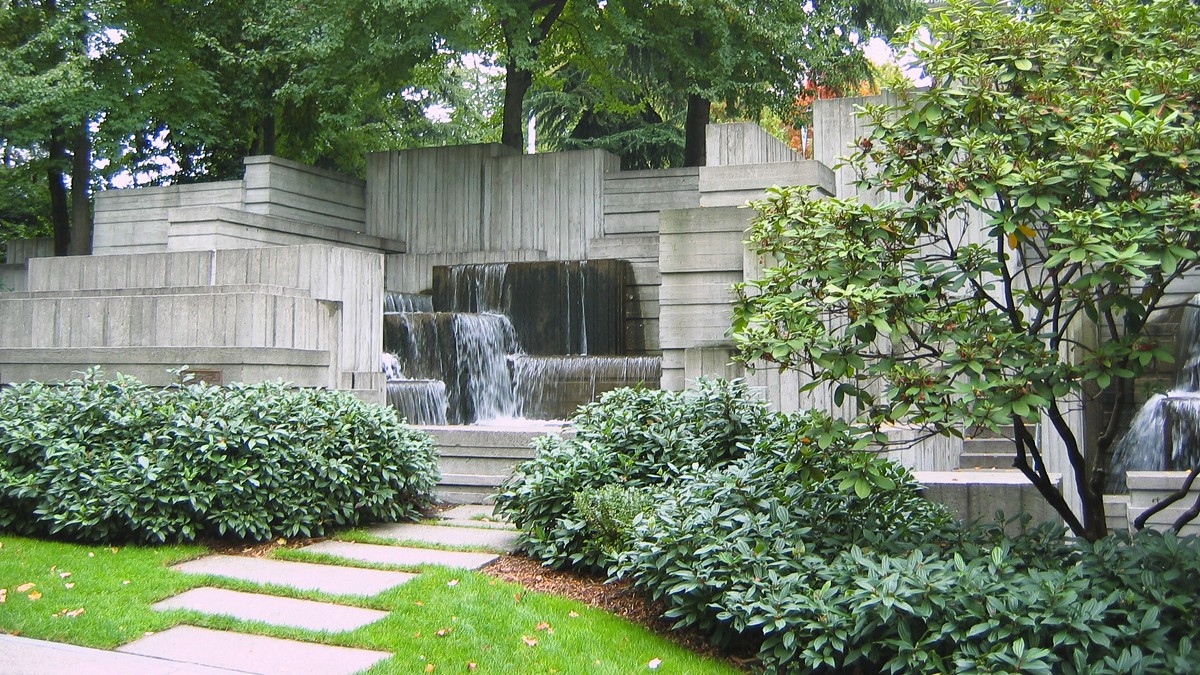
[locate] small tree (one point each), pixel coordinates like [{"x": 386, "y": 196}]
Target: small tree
[{"x": 1067, "y": 133}]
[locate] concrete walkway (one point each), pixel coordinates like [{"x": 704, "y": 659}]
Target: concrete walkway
[{"x": 189, "y": 650}]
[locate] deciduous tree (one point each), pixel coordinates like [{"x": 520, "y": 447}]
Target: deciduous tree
[{"x": 1070, "y": 131}]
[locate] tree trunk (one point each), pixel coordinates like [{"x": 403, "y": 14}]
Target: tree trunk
[
  {"x": 699, "y": 111},
  {"x": 517, "y": 82},
  {"x": 268, "y": 134},
  {"x": 81, "y": 191},
  {"x": 56, "y": 179}
]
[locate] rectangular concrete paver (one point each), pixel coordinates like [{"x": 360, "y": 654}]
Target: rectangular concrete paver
[
  {"x": 469, "y": 512},
  {"x": 304, "y": 576},
  {"x": 38, "y": 657},
  {"x": 400, "y": 555},
  {"x": 252, "y": 653},
  {"x": 272, "y": 609},
  {"x": 498, "y": 540},
  {"x": 479, "y": 524}
]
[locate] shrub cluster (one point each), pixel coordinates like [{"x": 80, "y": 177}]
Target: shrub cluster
[
  {"x": 98, "y": 459},
  {"x": 638, "y": 439},
  {"x": 783, "y": 535}
]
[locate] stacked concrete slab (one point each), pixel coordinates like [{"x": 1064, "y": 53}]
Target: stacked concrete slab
[
  {"x": 307, "y": 314},
  {"x": 277, "y": 203}
]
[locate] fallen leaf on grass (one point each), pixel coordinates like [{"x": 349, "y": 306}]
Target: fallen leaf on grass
[
  {"x": 70, "y": 613},
  {"x": 91, "y": 555},
  {"x": 546, "y": 627},
  {"x": 472, "y": 666},
  {"x": 517, "y": 597},
  {"x": 573, "y": 614},
  {"x": 25, "y": 587},
  {"x": 452, "y": 582},
  {"x": 3, "y": 595},
  {"x": 532, "y": 642},
  {"x": 429, "y": 667},
  {"x": 418, "y": 603},
  {"x": 69, "y": 585},
  {"x": 64, "y": 575},
  {"x": 444, "y": 632},
  {"x": 114, "y": 549},
  {"x": 654, "y": 664},
  {"x": 35, "y": 595}
]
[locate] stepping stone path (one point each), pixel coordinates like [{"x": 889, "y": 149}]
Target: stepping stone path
[
  {"x": 442, "y": 535},
  {"x": 402, "y": 556},
  {"x": 252, "y": 653},
  {"x": 322, "y": 616},
  {"x": 303, "y": 576},
  {"x": 189, "y": 650}
]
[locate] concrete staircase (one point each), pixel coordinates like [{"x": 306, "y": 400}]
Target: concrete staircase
[
  {"x": 474, "y": 461},
  {"x": 988, "y": 450}
]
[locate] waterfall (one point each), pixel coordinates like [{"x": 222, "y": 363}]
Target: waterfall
[
  {"x": 395, "y": 303},
  {"x": 552, "y": 387},
  {"x": 1165, "y": 433},
  {"x": 472, "y": 336},
  {"x": 419, "y": 401}
]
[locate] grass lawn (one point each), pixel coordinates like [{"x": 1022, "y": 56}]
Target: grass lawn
[{"x": 445, "y": 618}]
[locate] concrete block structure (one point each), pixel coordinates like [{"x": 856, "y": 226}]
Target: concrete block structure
[{"x": 306, "y": 314}]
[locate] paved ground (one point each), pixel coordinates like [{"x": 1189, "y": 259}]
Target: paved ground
[{"x": 188, "y": 650}]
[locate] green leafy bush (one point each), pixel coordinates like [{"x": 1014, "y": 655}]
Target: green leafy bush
[
  {"x": 609, "y": 513},
  {"x": 98, "y": 460},
  {"x": 989, "y": 604},
  {"x": 716, "y": 544},
  {"x": 636, "y": 438}
]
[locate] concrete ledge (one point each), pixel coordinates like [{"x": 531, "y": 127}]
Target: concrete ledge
[
  {"x": 152, "y": 365},
  {"x": 762, "y": 176},
  {"x": 264, "y": 289},
  {"x": 200, "y": 227},
  {"x": 978, "y": 495}
]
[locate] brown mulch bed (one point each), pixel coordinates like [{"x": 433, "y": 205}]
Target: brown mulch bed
[{"x": 617, "y": 597}]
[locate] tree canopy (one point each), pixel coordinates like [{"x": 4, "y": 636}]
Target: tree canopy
[{"x": 1069, "y": 133}]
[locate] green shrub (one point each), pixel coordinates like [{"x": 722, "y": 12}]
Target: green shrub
[
  {"x": 99, "y": 460},
  {"x": 609, "y": 512},
  {"x": 724, "y": 537},
  {"x": 636, "y": 438}
]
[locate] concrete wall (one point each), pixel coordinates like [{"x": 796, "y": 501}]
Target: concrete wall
[
  {"x": 743, "y": 143},
  {"x": 488, "y": 198},
  {"x": 309, "y": 314},
  {"x": 279, "y": 202}
]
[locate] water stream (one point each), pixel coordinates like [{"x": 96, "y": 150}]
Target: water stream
[
  {"x": 1165, "y": 433},
  {"x": 460, "y": 356}
]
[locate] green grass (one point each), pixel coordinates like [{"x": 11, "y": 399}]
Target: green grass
[{"x": 484, "y": 621}]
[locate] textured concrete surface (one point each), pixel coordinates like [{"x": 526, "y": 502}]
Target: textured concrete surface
[
  {"x": 447, "y": 536},
  {"x": 402, "y": 556},
  {"x": 321, "y": 616},
  {"x": 304, "y": 576},
  {"x": 38, "y": 657},
  {"x": 252, "y": 653}
]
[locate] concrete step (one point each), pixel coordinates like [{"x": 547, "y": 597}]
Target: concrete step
[
  {"x": 495, "y": 540},
  {"x": 401, "y": 556},
  {"x": 299, "y": 575},
  {"x": 1006, "y": 431},
  {"x": 474, "y": 515},
  {"x": 249, "y": 653},
  {"x": 465, "y": 494},
  {"x": 985, "y": 460},
  {"x": 306, "y": 614}
]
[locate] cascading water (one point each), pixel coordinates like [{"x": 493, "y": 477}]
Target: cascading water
[
  {"x": 471, "y": 347},
  {"x": 1165, "y": 434},
  {"x": 554, "y": 386}
]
